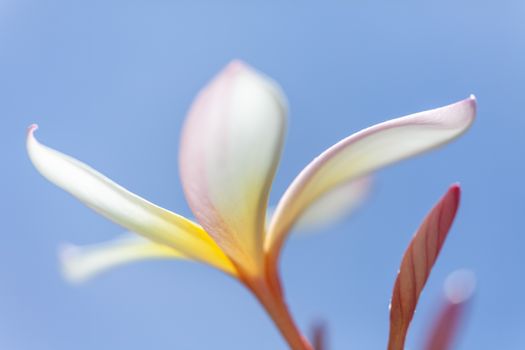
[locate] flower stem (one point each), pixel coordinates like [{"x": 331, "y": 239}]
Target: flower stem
[{"x": 271, "y": 298}]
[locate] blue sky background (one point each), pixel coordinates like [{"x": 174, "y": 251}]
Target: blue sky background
[{"x": 110, "y": 81}]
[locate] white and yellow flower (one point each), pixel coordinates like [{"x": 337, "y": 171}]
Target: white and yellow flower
[{"x": 231, "y": 145}]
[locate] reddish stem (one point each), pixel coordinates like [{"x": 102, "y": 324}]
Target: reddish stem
[{"x": 268, "y": 292}]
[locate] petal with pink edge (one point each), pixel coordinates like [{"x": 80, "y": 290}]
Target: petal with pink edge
[
  {"x": 231, "y": 144},
  {"x": 334, "y": 205},
  {"x": 123, "y": 207},
  {"x": 365, "y": 152}
]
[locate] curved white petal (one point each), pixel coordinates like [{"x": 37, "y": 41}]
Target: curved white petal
[
  {"x": 365, "y": 152},
  {"x": 123, "y": 207},
  {"x": 231, "y": 144},
  {"x": 82, "y": 263},
  {"x": 334, "y": 205}
]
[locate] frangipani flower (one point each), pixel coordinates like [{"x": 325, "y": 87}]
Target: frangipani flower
[{"x": 231, "y": 145}]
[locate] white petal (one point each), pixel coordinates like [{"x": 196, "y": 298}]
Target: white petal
[
  {"x": 123, "y": 207},
  {"x": 231, "y": 144},
  {"x": 365, "y": 152},
  {"x": 82, "y": 263},
  {"x": 334, "y": 205}
]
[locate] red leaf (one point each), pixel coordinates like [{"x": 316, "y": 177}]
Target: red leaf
[
  {"x": 459, "y": 288},
  {"x": 319, "y": 338},
  {"x": 418, "y": 260}
]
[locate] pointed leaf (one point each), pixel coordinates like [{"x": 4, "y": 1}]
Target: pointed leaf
[
  {"x": 418, "y": 260},
  {"x": 319, "y": 336},
  {"x": 459, "y": 288}
]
